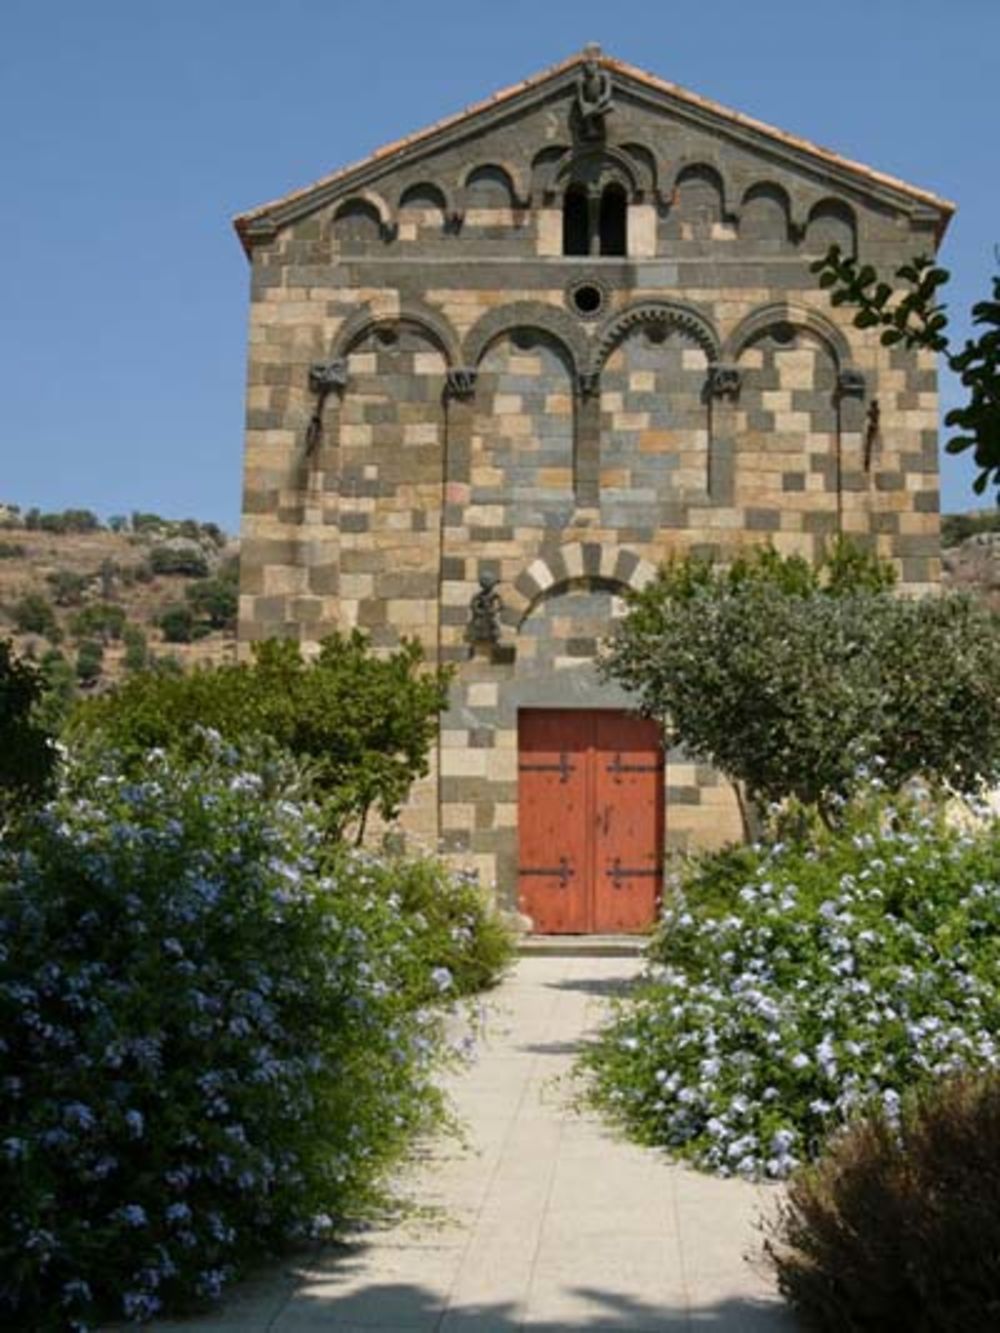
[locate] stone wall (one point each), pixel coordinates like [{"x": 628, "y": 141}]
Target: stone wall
[{"x": 482, "y": 423}]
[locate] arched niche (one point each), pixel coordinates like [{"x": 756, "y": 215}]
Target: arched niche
[
  {"x": 554, "y": 321},
  {"x": 655, "y": 423},
  {"x": 831, "y": 222},
  {"x": 391, "y": 432},
  {"x": 522, "y": 429},
  {"x": 489, "y": 187},
  {"x": 415, "y": 314},
  {"x": 356, "y": 225},
  {"x": 656, "y": 314},
  {"x": 697, "y": 205},
  {"x": 788, "y": 425},
  {"x": 422, "y": 209},
  {"x": 765, "y": 218}
]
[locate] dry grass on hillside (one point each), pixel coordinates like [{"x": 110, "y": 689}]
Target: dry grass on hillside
[{"x": 124, "y": 558}]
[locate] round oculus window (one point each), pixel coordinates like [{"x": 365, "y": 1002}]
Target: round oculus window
[{"x": 587, "y": 299}]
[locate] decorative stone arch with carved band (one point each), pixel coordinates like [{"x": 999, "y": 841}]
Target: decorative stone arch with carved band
[
  {"x": 665, "y": 314},
  {"x": 576, "y": 560}
]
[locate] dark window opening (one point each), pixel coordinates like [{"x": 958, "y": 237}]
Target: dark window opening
[
  {"x": 576, "y": 222},
  {"x": 613, "y": 220},
  {"x": 587, "y": 299}
]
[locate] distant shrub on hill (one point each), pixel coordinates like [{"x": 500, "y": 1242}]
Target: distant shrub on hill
[
  {"x": 956, "y": 528},
  {"x": 103, "y": 620},
  {"x": 33, "y": 614},
  {"x": 65, "y": 520},
  {"x": 68, "y": 587},
  {"x": 89, "y": 661},
  {"x": 185, "y": 560},
  {"x": 177, "y": 624}
]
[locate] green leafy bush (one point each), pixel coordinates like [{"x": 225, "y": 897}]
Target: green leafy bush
[
  {"x": 216, "y": 599},
  {"x": 89, "y": 661},
  {"x": 105, "y": 620},
  {"x": 805, "y": 983},
  {"x": 177, "y": 624},
  {"x": 59, "y": 692},
  {"x": 136, "y": 648},
  {"x": 67, "y": 586},
  {"x": 12, "y": 551},
  {"x": 186, "y": 560},
  {"x": 364, "y": 722},
  {"x": 33, "y": 614},
  {"x": 459, "y": 942},
  {"x": 208, "y": 1045},
  {"x": 898, "y": 1224}
]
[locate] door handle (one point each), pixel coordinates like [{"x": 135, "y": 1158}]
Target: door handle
[{"x": 604, "y": 820}]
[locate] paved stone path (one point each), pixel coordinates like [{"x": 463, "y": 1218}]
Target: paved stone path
[{"x": 545, "y": 1221}]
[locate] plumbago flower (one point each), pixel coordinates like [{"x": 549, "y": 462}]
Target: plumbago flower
[
  {"x": 789, "y": 987},
  {"x": 205, "y": 1045}
]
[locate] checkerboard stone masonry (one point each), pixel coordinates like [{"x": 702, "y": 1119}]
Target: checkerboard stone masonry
[{"x": 482, "y": 423}]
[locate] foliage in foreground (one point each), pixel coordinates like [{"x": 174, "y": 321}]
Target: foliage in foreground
[
  {"x": 916, "y": 318},
  {"x": 898, "y": 1224},
  {"x": 364, "y": 722},
  {"x": 27, "y": 753},
  {"x": 209, "y": 1049},
  {"x": 792, "y": 986},
  {"x": 787, "y": 681}
]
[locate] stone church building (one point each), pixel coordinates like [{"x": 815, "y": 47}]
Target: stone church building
[{"x": 502, "y": 368}]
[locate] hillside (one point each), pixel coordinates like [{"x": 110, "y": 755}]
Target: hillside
[
  {"x": 67, "y": 581},
  {"x": 89, "y": 584},
  {"x": 970, "y": 559}
]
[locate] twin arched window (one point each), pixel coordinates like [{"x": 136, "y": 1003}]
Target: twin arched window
[{"x": 595, "y": 224}]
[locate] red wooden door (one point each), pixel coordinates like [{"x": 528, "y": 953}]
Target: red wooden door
[
  {"x": 628, "y": 799},
  {"x": 590, "y": 820}
]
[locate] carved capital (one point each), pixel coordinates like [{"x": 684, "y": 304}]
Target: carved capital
[
  {"x": 588, "y": 383},
  {"x": 461, "y": 381},
  {"x": 724, "y": 380},
  {"x": 851, "y": 383},
  {"x": 327, "y": 375}
]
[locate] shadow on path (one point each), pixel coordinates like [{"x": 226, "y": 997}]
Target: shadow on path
[{"x": 395, "y": 1307}]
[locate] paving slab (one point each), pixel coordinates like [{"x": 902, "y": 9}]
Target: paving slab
[{"x": 545, "y": 1220}]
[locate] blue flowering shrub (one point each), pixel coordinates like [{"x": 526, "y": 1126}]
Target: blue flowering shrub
[
  {"x": 792, "y": 986},
  {"x": 458, "y": 943},
  {"x": 208, "y": 1045}
]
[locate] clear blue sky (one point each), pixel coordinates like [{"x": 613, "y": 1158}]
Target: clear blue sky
[{"x": 134, "y": 129}]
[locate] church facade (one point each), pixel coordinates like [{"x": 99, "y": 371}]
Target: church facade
[{"x": 501, "y": 369}]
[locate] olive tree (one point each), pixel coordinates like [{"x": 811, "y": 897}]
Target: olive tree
[{"x": 793, "y": 682}]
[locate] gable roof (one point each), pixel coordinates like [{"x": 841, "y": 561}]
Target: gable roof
[{"x": 263, "y": 219}]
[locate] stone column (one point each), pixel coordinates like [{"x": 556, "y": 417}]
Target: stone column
[
  {"x": 722, "y": 389},
  {"x": 587, "y": 432}
]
